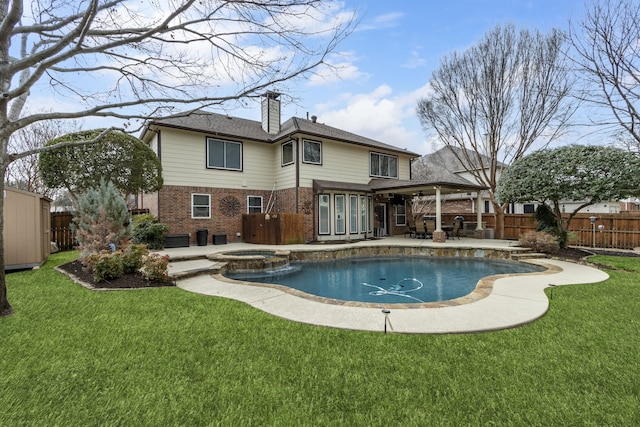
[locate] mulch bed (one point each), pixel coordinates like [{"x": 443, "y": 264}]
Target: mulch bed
[{"x": 128, "y": 281}]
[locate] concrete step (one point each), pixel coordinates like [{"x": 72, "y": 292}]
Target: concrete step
[
  {"x": 193, "y": 267},
  {"x": 528, "y": 255}
]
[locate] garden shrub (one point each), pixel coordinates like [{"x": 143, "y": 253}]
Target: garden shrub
[
  {"x": 105, "y": 265},
  {"x": 148, "y": 230},
  {"x": 547, "y": 222},
  {"x": 540, "y": 241},
  {"x": 132, "y": 256},
  {"x": 154, "y": 267}
]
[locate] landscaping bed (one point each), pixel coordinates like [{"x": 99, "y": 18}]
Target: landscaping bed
[{"x": 128, "y": 281}]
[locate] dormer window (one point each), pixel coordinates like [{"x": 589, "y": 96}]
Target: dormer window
[{"x": 384, "y": 166}]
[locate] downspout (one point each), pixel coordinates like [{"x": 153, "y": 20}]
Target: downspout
[
  {"x": 159, "y": 154},
  {"x": 297, "y": 165}
]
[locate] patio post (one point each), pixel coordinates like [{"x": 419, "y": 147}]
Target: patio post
[
  {"x": 439, "y": 236},
  {"x": 479, "y": 232}
]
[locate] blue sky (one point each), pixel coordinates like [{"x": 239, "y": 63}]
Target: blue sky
[{"x": 389, "y": 59}]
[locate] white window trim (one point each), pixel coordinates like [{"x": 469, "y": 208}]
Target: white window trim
[
  {"x": 328, "y": 231},
  {"x": 305, "y": 141},
  {"x": 208, "y": 196},
  {"x": 404, "y": 214},
  {"x": 363, "y": 214},
  {"x": 353, "y": 211},
  {"x": 225, "y": 159},
  {"x": 337, "y": 214},
  {"x": 261, "y": 203}
]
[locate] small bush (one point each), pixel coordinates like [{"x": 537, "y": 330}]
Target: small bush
[
  {"x": 154, "y": 267},
  {"x": 105, "y": 265},
  {"x": 132, "y": 256},
  {"x": 147, "y": 230},
  {"x": 539, "y": 241}
]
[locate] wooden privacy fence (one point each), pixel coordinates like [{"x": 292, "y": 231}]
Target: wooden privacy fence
[
  {"x": 61, "y": 231},
  {"x": 619, "y": 231},
  {"x": 274, "y": 229}
]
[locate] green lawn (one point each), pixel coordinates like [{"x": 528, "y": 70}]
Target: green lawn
[{"x": 158, "y": 357}]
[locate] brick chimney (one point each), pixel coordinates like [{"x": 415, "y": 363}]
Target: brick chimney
[{"x": 271, "y": 113}]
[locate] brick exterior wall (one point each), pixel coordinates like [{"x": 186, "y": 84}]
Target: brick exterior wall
[{"x": 174, "y": 204}]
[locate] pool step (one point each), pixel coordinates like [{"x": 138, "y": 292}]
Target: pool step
[
  {"x": 181, "y": 269},
  {"x": 528, "y": 255}
]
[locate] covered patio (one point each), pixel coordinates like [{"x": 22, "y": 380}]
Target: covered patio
[{"x": 436, "y": 187}]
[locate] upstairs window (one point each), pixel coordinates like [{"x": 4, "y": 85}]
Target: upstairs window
[
  {"x": 224, "y": 154},
  {"x": 384, "y": 166},
  {"x": 287, "y": 153},
  {"x": 312, "y": 152}
]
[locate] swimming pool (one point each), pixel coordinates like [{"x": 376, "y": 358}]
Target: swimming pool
[{"x": 388, "y": 280}]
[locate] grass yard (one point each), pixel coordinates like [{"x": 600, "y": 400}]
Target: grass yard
[{"x": 159, "y": 357}]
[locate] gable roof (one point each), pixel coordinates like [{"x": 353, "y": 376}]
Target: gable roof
[{"x": 235, "y": 127}]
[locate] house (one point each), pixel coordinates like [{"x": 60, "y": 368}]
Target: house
[
  {"x": 217, "y": 168},
  {"x": 449, "y": 160},
  {"x": 27, "y": 228}
]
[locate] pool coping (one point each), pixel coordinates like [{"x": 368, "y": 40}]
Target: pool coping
[{"x": 513, "y": 300}]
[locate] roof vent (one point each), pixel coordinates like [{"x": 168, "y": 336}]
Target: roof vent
[{"x": 314, "y": 119}]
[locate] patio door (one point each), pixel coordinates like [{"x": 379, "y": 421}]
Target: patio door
[{"x": 380, "y": 220}]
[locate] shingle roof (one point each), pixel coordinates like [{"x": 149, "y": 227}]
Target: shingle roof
[
  {"x": 223, "y": 125},
  {"x": 449, "y": 157}
]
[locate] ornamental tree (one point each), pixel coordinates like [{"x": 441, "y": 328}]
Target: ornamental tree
[
  {"x": 120, "y": 158},
  {"x": 102, "y": 219},
  {"x": 586, "y": 174}
]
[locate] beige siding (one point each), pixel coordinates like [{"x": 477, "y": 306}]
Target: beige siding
[
  {"x": 284, "y": 175},
  {"x": 346, "y": 163},
  {"x": 183, "y": 156},
  {"x": 184, "y": 163}
]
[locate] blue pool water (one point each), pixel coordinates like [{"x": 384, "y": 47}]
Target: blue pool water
[{"x": 389, "y": 280}]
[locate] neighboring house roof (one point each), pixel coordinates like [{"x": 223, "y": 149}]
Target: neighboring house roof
[
  {"x": 449, "y": 157},
  {"x": 223, "y": 125}
]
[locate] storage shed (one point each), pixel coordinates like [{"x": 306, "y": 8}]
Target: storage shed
[{"x": 27, "y": 228}]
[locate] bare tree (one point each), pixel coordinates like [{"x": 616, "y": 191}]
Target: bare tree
[
  {"x": 493, "y": 102},
  {"x": 607, "y": 53},
  {"x": 130, "y": 59},
  {"x": 23, "y": 173}
]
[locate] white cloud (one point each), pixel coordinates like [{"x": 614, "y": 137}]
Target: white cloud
[
  {"x": 380, "y": 115},
  {"x": 339, "y": 67},
  {"x": 387, "y": 20},
  {"x": 415, "y": 61}
]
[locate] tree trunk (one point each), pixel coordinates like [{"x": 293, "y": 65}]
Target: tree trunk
[
  {"x": 5, "y": 307},
  {"x": 499, "y": 221}
]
